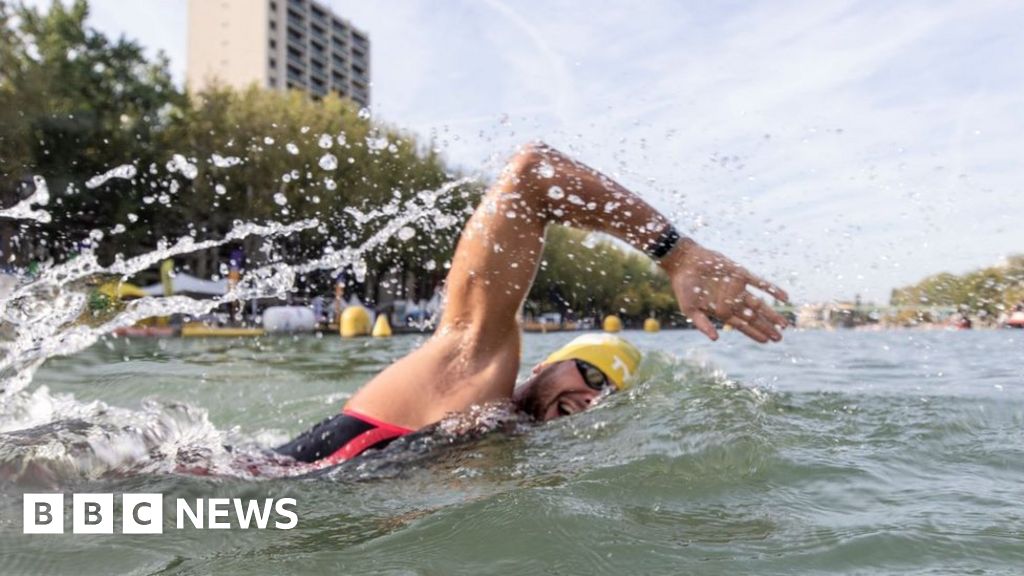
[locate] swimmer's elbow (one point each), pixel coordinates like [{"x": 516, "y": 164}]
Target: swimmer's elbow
[{"x": 527, "y": 158}]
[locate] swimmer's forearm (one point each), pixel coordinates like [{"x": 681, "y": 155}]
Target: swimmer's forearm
[
  {"x": 500, "y": 249},
  {"x": 565, "y": 191}
]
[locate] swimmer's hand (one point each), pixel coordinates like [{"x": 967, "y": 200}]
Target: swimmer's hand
[{"x": 709, "y": 285}]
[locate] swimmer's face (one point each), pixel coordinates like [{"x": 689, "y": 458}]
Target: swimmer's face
[{"x": 560, "y": 389}]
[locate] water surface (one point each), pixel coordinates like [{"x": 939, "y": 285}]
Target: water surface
[{"x": 832, "y": 452}]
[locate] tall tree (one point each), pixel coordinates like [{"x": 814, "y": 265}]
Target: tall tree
[{"x": 75, "y": 104}]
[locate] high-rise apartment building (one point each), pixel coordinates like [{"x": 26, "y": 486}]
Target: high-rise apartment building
[{"x": 277, "y": 44}]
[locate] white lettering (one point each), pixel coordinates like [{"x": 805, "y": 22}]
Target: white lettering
[
  {"x": 185, "y": 510},
  {"x": 218, "y": 508},
  {"x": 281, "y": 509},
  {"x": 253, "y": 510}
]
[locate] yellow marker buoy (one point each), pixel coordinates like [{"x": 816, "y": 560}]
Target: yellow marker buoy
[
  {"x": 612, "y": 323},
  {"x": 652, "y": 325},
  {"x": 381, "y": 328},
  {"x": 355, "y": 321}
]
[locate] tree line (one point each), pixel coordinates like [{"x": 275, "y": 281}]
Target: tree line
[
  {"x": 986, "y": 293},
  {"x": 133, "y": 161}
]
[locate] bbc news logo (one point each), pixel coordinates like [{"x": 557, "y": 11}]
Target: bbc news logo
[{"x": 143, "y": 513}]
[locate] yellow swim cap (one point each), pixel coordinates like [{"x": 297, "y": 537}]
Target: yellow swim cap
[{"x": 612, "y": 355}]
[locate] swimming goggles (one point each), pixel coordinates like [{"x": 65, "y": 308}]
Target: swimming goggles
[{"x": 593, "y": 376}]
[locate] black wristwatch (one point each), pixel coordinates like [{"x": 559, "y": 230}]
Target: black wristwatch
[{"x": 664, "y": 243}]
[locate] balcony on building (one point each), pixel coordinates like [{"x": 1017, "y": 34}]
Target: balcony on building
[
  {"x": 317, "y": 49},
  {"x": 296, "y": 17},
  {"x": 296, "y": 59},
  {"x": 317, "y": 69},
  {"x": 317, "y": 13},
  {"x": 296, "y": 36},
  {"x": 318, "y": 33},
  {"x": 360, "y": 40},
  {"x": 359, "y": 74},
  {"x": 317, "y": 87}
]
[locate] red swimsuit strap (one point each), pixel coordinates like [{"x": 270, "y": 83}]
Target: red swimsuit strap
[
  {"x": 380, "y": 432},
  {"x": 399, "y": 430}
]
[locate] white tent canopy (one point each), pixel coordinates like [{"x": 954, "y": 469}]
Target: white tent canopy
[{"x": 185, "y": 283}]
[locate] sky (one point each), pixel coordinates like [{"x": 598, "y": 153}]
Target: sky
[{"x": 840, "y": 148}]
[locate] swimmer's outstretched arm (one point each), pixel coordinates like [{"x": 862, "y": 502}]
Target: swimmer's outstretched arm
[
  {"x": 473, "y": 356},
  {"x": 501, "y": 245}
]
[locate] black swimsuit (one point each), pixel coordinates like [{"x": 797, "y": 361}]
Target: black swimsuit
[{"x": 341, "y": 437}]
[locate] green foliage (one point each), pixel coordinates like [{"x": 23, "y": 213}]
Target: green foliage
[
  {"x": 582, "y": 278},
  {"x": 987, "y": 292},
  {"x": 74, "y": 104},
  {"x": 300, "y": 158}
]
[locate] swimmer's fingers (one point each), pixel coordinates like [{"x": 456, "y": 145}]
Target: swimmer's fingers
[
  {"x": 764, "y": 313},
  {"x": 765, "y": 286},
  {"x": 764, "y": 326},
  {"x": 702, "y": 322},
  {"x": 747, "y": 328}
]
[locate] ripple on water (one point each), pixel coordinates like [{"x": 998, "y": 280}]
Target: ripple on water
[{"x": 701, "y": 468}]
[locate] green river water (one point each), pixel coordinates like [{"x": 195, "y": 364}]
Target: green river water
[{"x": 830, "y": 453}]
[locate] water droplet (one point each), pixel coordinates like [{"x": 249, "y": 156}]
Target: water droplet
[
  {"x": 406, "y": 233},
  {"x": 430, "y": 265},
  {"x": 292, "y": 148},
  {"x": 133, "y": 217},
  {"x": 124, "y": 171},
  {"x": 280, "y": 199},
  {"x": 328, "y": 162},
  {"x": 556, "y": 193},
  {"x": 268, "y": 140},
  {"x": 179, "y": 163},
  {"x": 546, "y": 170},
  {"x": 325, "y": 141},
  {"x": 376, "y": 143},
  {"x": 364, "y": 113},
  {"x": 221, "y": 161},
  {"x": 330, "y": 184},
  {"x": 220, "y": 189}
]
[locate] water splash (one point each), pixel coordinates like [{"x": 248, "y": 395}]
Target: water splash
[
  {"x": 23, "y": 210},
  {"x": 43, "y": 318},
  {"x": 122, "y": 172}
]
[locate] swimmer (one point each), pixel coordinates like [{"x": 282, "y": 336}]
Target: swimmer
[{"x": 473, "y": 357}]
